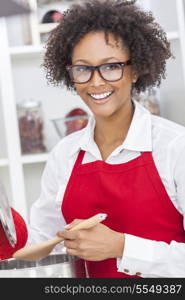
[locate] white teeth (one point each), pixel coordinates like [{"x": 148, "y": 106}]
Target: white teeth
[{"x": 101, "y": 96}]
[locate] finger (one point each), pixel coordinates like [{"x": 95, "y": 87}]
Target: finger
[
  {"x": 73, "y": 223},
  {"x": 72, "y": 252},
  {"x": 66, "y": 234},
  {"x": 70, "y": 244}
]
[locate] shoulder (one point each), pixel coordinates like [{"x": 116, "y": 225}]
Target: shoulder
[
  {"x": 64, "y": 153},
  {"x": 62, "y": 157},
  {"x": 167, "y": 134},
  {"x": 68, "y": 145},
  {"x": 166, "y": 125}
]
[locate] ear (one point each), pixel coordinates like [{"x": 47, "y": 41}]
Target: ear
[{"x": 134, "y": 77}]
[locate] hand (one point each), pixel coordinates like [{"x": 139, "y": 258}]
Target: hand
[{"x": 94, "y": 244}]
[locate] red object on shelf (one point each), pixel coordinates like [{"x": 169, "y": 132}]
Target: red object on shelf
[
  {"x": 6, "y": 250},
  {"x": 57, "y": 16},
  {"x": 52, "y": 16},
  {"x": 76, "y": 124}
]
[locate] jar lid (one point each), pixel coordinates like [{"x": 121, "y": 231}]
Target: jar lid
[
  {"x": 6, "y": 217},
  {"x": 29, "y": 104}
]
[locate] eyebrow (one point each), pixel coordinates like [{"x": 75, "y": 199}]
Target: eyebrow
[{"x": 103, "y": 60}]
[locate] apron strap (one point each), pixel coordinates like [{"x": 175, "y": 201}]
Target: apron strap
[
  {"x": 77, "y": 163},
  {"x": 79, "y": 159},
  {"x": 73, "y": 173},
  {"x": 147, "y": 157}
]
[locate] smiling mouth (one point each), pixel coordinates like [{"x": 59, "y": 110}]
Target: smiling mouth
[{"x": 102, "y": 96}]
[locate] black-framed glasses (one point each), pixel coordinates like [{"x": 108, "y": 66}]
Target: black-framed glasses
[{"x": 110, "y": 71}]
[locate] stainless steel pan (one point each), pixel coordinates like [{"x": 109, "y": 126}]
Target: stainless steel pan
[{"x": 54, "y": 265}]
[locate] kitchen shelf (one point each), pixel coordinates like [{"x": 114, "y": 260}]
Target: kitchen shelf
[
  {"x": 34, "y": 158},
  {"x": 26, "y": 51},
  {"x": 46, "y": 27},
  {"x": 34, "y": 51},
  {"x": 172, "y": 35},
  {"x": 4, "y": 162}
]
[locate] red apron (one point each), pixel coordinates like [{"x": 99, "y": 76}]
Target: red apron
[{"x": 133, "y": 196}]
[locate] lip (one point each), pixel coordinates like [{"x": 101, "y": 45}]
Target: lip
[{"x": 100, "y": 101}]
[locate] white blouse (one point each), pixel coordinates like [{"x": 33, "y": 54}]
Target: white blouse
[{"x": 147, "y": 132}]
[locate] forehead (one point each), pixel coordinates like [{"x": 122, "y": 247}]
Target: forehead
[{"x": 94, "y": 46}]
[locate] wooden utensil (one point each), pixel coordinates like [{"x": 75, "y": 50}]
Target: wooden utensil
[{"x": 41, "y": 250}]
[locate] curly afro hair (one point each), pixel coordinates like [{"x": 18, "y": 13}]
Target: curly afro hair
[{"x": 145, "y": 39}]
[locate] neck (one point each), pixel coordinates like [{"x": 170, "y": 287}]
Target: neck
[{"x": 114, "y": 129}]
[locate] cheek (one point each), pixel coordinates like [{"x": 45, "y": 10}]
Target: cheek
[
  {"x": 125, "y": 85},
  {"x": 79, "y": 89},
  {"x": 82, "y": 92}
]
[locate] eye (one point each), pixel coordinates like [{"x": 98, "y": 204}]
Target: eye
[
  {"x": 81, "y": 69},
  {"x": 111, "y": 67}
]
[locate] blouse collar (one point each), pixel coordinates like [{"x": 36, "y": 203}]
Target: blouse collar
[{"x": 139, "y": 137}]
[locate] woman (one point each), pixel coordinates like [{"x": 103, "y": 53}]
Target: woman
[{"x": 126, "y": 162}]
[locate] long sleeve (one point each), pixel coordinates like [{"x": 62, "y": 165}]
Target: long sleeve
[
  {"x": 153, "y": 258},
  {"x": 46, "y": 217}
]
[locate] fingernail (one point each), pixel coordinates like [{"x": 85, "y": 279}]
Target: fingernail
[{"x": 67, "y": 226}]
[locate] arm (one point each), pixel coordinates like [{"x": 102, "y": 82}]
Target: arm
[
  {"x": 46, "y": 217},
  {"x": 159, "y": 259},
  {"x": 152, "y": 258}
]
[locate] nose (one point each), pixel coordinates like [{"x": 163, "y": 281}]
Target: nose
[{"x": 96, "y": 79}]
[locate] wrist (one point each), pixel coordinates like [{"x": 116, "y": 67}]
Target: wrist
[{"x": 118, "y": 244}]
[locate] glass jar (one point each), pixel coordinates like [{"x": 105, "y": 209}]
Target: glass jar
[
  {"x": 30, "y": 126},
  {"x": 149, "y": 100}
]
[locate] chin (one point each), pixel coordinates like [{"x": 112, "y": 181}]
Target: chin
[{"x": 103, "y": 113}]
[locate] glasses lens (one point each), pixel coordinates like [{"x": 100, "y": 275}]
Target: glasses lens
[
  {"x": 112, "y": 71},
  {"x": 80, "y": 73}
]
